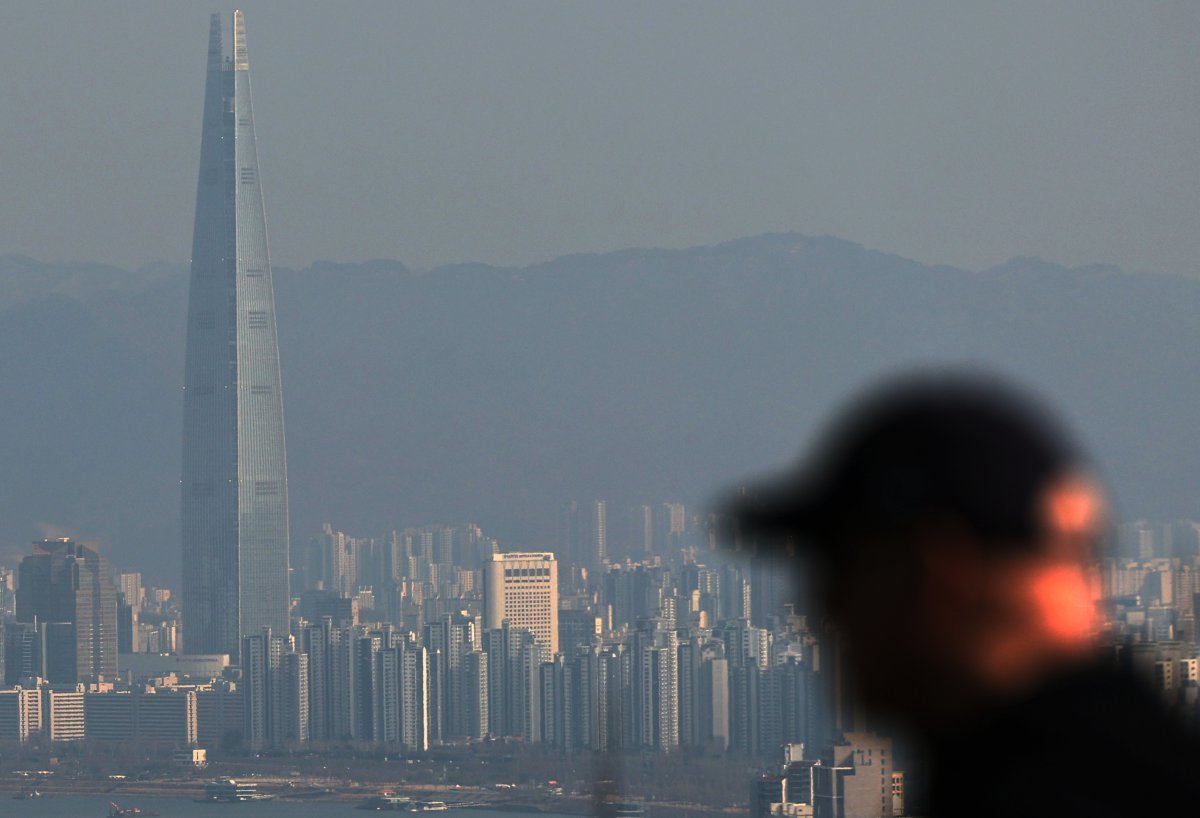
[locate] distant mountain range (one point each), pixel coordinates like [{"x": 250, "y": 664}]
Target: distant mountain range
[{"x": 494, "y": 394}]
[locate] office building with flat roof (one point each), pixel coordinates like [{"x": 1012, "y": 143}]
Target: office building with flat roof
[{"x": 521, "y": 588}]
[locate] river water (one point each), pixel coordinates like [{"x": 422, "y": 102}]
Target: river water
[{"x": 96, "y": 806}]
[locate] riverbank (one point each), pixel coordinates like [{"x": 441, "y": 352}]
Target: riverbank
[{"x": 282, "y": 791}]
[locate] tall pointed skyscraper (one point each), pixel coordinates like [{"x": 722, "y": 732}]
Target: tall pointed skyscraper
[{"x": 235, "y": 510}]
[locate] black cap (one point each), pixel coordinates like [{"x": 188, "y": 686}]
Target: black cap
[{"x": 951, "y": 443}]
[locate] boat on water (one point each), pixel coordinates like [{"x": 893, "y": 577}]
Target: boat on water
[
  {"x": 229, "y": 790},
  {"x": 397, "y": 803},
  {"x": 385, "y": 803},
  {"x": 622, "y": 809},
  {"x": 115, "y": 811}
]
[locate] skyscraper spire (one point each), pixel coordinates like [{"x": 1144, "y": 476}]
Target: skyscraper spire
[
  {"x": 241, "y": 56},
  {"x": 214, "y": 42},
  {"x": 234, "y": 487}
]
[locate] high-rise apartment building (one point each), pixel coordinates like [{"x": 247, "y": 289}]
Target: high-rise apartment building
[
  {"x": 570, "y": 531},
  {"x": 583, "y": 533},
  {"x": 20, "y": 713},
  {"x": 65, "y": 587},
  {"x": 130, "y": 584},
  {"x": 275, "y": 682},
  {"x": 514, "y": 659},
  {"x": 449, "y": 641},
  {"x": 521, "y": 588},
  {"x": 655, "y": 689},
  {"x": 643, "y": 528},
  {"x": 670, "y": 525},
  {"x": 234, "y": 487},
  {"x": 597, "y": 533},
  {"x": 62, "y": 711}
]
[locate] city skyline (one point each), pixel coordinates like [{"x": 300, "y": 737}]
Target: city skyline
[
  {"x": 234, "y": 488},
  {"x": 433, "y": 618},
  {"x": 684, "y": 650}
]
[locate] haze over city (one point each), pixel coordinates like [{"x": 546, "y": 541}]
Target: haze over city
[
  {"x": 511, "y": 133},
  {"x": 545, "y": 281}
]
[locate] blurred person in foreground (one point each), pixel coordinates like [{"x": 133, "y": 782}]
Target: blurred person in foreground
[{"x": 949, "y": 530}]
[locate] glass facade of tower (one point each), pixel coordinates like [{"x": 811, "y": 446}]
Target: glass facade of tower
[{"x": 234, "y": 487}]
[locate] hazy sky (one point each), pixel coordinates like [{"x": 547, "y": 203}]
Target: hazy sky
[{"x": 513, "y": 132}]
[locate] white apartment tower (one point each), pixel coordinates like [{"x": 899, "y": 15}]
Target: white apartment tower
[{"x": 521, "y": 588}]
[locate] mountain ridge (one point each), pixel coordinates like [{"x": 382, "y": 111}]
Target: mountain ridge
[{"x": 496, "y": 393}]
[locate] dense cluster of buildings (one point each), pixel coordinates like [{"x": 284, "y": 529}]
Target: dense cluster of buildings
[
  {"x": 434, "y": 635},
  {"x": 663, "y": 653},
  {"x": 1151, "y": 589}
]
